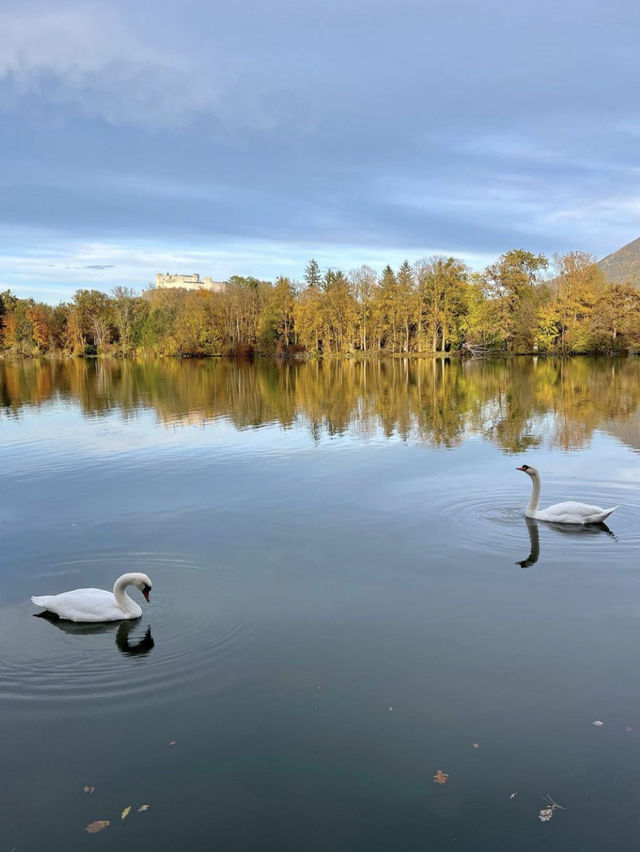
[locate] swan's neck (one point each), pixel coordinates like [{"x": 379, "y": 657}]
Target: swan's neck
[
  {"x": 532, "y": 508},
  {"x": 123, "y": 600}
]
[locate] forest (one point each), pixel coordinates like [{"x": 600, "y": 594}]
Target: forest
[{"x": 522, "y": 303}]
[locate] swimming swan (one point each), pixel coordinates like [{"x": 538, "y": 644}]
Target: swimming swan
[
  {"x": 98, "y": 604},
  {"x": 561, "y": 513}
]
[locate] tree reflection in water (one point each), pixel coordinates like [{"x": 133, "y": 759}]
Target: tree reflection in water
[{"x": 511, "y": 402}]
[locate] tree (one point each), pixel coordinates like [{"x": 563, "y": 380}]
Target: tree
[
  {"x": 125, "y": 305},
  {"x": 510, "y": 284},
  {"x": 578, "y": 284},
  {"x": 312, "y": 274},
  {"x": 363, "y": 282},
  {"x": 385, "y": 310},
  {"x": 443, "y": 296},
  {"x": 406, "y": 297},
  {"x": 93, "y": 319}
]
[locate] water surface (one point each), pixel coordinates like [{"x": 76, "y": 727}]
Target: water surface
[{"x": 347, "y": 598}]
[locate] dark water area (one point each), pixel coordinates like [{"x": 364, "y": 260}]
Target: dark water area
[{"x": 346, "y": 599}]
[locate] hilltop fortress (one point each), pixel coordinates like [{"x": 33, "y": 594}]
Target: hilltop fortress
[{"x": 165, "y": 281}]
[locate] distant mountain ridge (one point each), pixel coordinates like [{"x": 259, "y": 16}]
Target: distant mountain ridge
[{"x": 623, "y": 266}]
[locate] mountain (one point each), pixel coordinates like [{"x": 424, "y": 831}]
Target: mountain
[{"x": 623, "y": 266}]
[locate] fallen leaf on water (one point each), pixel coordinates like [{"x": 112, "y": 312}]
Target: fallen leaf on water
[
  {"x": 475, "y": 745},
  {"x": 390, "y": 709},
  {"x": 598, "y": 723},
  {"x": 88, "y": 789},
  {"x": 143, "y": 808},
  {"x": 545, "y": 814},
  {"x": 513, "y": 795},
  {"x": 98, "y": 825},
  {"x": 440, "y": 777},
  {"x": 628, "y": 729},
  {"x": 172, "y": 743},
  {"x": 125, "y": 813}
]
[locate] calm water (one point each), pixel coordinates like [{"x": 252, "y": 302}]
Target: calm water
[{"x": 346, "y": 598}]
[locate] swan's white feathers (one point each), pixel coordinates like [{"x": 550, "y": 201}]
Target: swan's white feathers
[
  {"x": 95, "y": 605},
  {"x": 85, "y": 605},
  {"x": 569, "y": 512}
]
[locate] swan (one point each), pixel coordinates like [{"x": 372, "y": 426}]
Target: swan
[
  {"x": 561, "y": 513},
  {"x": 98, "y": 604}
]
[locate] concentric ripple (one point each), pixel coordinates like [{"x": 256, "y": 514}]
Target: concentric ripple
[
  {"x": 492, "y": 521},
  {"x": 194, "y": 631}
]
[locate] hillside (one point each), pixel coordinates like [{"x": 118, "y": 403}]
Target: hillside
[{"x": 623, "y": 265}]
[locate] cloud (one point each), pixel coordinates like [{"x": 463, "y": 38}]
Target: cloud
[{"x": 85, "y": 60}]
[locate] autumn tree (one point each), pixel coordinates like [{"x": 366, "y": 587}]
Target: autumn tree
[
  {"x": 338, "y": 309},
  {"x": 363, "y": 281},
  {"x": 386, "y": 310},
  {"x": 578, "y": 285},
  {"x": 510, "y": 283},
  {"x": 93, "y": 317},
  {"x": 443, "y": 294},
  {"x": 125, "y": 313}
]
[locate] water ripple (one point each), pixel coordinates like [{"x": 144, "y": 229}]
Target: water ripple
[
  {"x": 492, "y": 520},
  {"x": 192, "y": 628}
]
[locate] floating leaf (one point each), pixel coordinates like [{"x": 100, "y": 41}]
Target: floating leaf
[
  {"x": 172, "y": 743},
  {"x": 98, "y": 825},
  {"x": 390, "y": 709},
  {"x": 476, "y": 745},
  {"x": 513, "y": 795},
  {"x": 628, "y": 729},
  {"x": 143, "y": 808},
  {"x": 546, "y": 813},
  {"x": 598, "y": 723},
  {"x": 88, "y": 789},
  {"x": 125, "y": 813},
  {"x": 440, "y": 777}
]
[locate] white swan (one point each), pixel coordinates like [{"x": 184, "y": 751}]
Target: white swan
[
  {"x": 98, "y": 604},
  {"x": 561, "y": 513}
]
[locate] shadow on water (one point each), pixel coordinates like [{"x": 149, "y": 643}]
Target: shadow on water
[
  {"x": 565, "y": 529},
  {"x": 121, "y": 629}
]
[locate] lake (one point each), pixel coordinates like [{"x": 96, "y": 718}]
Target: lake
[{"x": 346, "y": 599}]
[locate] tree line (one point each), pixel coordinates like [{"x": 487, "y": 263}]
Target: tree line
[{"x": 518, "y": 304}]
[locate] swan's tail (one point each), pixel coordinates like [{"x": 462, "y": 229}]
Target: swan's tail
[
  {"x": 599, "y": 517},
  {"x": 43, "y": 600}
]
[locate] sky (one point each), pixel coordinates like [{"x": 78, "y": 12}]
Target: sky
[{"x": 248, "y": 137}]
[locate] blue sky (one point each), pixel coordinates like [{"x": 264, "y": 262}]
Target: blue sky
[{"x": 248, "y": 137}]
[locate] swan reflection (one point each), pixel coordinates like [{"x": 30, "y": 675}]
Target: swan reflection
[
  {"x": 565, "y": 529},
  {"x": 128, "y": 647}
]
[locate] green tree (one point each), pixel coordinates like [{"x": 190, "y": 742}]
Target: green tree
[{"x": 312, "y": 274}]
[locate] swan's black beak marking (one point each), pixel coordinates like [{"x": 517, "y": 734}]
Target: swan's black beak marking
[
  {"x": 524, "y": 467},
  {"x": 145, "y": 592}
]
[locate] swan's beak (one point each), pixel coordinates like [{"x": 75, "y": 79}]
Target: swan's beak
[
  {"x": 145, "y": 592},
  {"x": 522, "y": 469}
]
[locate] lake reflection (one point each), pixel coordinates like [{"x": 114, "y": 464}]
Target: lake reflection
[
  {"x": 433, "y": 401},
  {"x": 338, "y": 609}
]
